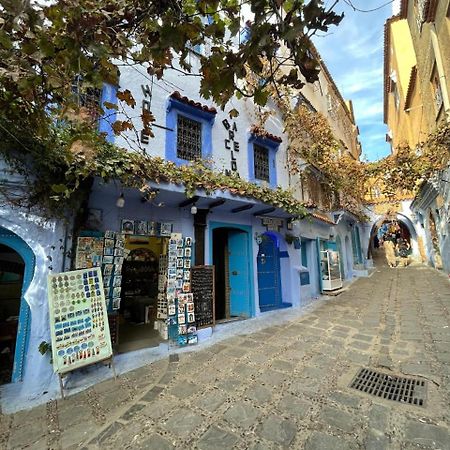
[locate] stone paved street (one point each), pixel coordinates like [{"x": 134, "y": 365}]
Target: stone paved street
[{"x": 285, "y": 386}]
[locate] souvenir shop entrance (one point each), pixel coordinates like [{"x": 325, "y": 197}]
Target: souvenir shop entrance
[
  {"x": 139, "y": 294},
  {"x": 11, "y": 281},
  {"x": 230, "y": 256}
]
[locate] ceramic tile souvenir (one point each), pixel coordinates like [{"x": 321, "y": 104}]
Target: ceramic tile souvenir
[
  {"x": 190, "y": 307},
  {"x": 191, "y": 317},
  {"x": 172, "y": 310},
  {"x": 180, "y": 263},
  {"x": 108, "y": 251},
  {"x": 120, "y": 243},
  {"x": 180, "y": 252},
  {"x": 118, "y": 260},
  {"x": 108, "y": 259},
  {"x": 181, "y": 319},
  {"x": 187, "y": 252},
  {"x": 110, "y": 234},
  {"x": 172, "y": 272},
  {"x": 117, "y": 281},
  {"x": 179, "y": 242},
  {"x": 181, "y": 308},
  {"x": 107, "y": 269},
  {"x": 118, "y": 252},
  {"x": 180, "y": 273},
  {"x": 186, "y": 275},
  {"x": 190, "y": 297},
  {"x": 182, "y": 329},
  {"x": 192, "y": 339},
  {"x": 187, "y": 241},
  {"x": 187, "y": 263},
  {"x": 179, "y": 284},
  {"x": 186, "y": 287},
  {"x": 116, "y": 292},
  {"x": 192, "y": 329}
]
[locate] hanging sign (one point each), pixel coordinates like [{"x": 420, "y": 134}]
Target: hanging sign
[
  {"x": 78, "y": 319},
  {"x": 272, "y": 223}
]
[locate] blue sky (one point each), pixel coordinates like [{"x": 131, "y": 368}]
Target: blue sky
[{"x": 353, "y": 53}]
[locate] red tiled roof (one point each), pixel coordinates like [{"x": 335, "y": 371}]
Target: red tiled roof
[
  {"x": 322, "y": 217},
  {"x": 209, "y": 109},
  {"x": 411, "y": 85},
  {"x": 258, "y": 131}
]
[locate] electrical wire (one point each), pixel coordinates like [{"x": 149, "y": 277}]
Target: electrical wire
[{"x": 349, "y": 3}]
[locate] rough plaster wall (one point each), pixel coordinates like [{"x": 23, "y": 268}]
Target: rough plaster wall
[
  {"x": 133, "y": 78},
  {"x": 40, "y": 236}
]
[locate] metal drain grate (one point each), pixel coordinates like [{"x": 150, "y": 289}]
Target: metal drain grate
[{"x": 390, "y": 387}]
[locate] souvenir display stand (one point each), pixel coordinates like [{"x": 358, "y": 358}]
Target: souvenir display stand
[
  {"x": 330, "y": 270},
  {"x": 176, "y": 311},
  {"x": 203, "y": 288},
  {"x": 79, "y": 326}
]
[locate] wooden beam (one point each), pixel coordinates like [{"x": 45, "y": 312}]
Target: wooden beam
[
  {"x": 261, "y": 212},
  {"x": 242, "y": 208},
  {"x": 188, "y": 201},
  {"x": 217, "y": 203}
]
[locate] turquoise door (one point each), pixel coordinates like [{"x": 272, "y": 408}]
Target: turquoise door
[
  {"x": 238, "y": 264},
  {"x": 24, "y": 324},
  {"x": 269, "y": 279}
]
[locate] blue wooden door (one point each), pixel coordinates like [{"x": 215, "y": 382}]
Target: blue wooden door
[
  {"x": 23, "y": 333},
  {"x": 269, "y": 279},
  {"x": 238, "y": 264}
]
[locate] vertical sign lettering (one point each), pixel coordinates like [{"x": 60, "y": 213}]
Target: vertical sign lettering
[
  {"x": 232, "y": 145},
  {"x": 146, "y": 104}
]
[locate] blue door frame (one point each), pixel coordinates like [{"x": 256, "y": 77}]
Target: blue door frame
[
  {"x": 243, "y": 281},
  {"x": 13, "y": 241}
]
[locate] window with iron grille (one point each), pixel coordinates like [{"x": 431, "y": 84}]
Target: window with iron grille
[
  {"x": 261, "y": 160},
  {"x": 87, "y": 97},
  {"x": 189, "y": 138}
]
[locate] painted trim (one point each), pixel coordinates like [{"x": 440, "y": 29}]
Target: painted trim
[
  {"x": 109, "y": 94},
  {"x": 248, "y": 229},
  {"x": 13, "y": 241},
  {"x": 272, "y": 148},
  {"x": 175, "y": 107}
]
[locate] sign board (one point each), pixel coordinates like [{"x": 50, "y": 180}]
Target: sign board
[
  {"x": 78, "y": 319},
  {"x": 202, "y": 285}
]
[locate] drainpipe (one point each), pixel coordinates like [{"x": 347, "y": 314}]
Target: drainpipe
[{"x": 441, "y": 73}]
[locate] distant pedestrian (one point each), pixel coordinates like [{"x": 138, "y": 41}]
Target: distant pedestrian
[{"x": 389, "y": 251}]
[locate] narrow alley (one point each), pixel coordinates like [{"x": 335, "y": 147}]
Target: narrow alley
[{"x": 284, "y": 386}]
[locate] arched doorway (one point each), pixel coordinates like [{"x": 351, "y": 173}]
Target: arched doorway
[
  {"x": 231, "y": 249},
  {"x": 269, "y": 276},
  {"x": 16, "y": 272},
  {"x": 393, "y": 227}
]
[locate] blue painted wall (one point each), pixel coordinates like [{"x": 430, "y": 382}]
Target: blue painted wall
[{"x": 109, "y": 94}]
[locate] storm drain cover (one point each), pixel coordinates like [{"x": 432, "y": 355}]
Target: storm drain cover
[{"x": 390, "y": 387}]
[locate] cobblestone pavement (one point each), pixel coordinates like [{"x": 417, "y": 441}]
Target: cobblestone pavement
[{"x": 285, "y": 386}]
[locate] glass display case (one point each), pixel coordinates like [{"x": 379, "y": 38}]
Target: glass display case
[{"x": 330, "y": 270}]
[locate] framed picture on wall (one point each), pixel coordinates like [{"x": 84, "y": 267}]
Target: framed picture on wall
[
  {"x": 140, "y": 227},
  {"x": 127, "y": 226},
  {"x": 166, "y": 229}
]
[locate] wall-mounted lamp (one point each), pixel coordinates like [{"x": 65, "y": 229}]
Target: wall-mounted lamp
[
  {"x": 120, "y": 203},
  {"x": 262, "y": 258},
  {"x": 193, "y": 210}
]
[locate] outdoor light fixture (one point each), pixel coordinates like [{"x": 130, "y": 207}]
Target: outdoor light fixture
[
  {"x": 120, "y": 203},
  {"x": 193, "y": 209},
  {"x": 262, "y": 258}
]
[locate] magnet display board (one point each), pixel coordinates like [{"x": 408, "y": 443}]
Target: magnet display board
[
  {"x": 78, "y": 319},
  {"x": 202, "y": 285}
]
